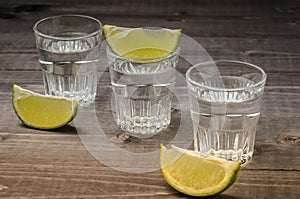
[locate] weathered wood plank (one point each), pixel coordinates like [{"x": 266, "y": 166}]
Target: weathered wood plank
[
  {"x": 155, "y": 7},
  {"x": 74, "y": 170},
  {"x": 19, "y": 37},
  {"x": 284, "y": 79},
  {"x": 215, "y": 20},
  {"x": 274, "y": 54},
  {"x": 279, "y": 107}
]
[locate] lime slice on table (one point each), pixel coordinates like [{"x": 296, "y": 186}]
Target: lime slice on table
[
  {"x": 40, "y": 111},
  {"x": 141, "y": 43},
  {"x": 196, "y": 174}
]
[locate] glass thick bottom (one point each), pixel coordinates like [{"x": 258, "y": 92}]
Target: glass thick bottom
[
  {"x": 231, "y": 142},
  {"x": 143, "y": 117},
  {"x": 81, "y": 87},
  {"x": 143, "y": 127}
]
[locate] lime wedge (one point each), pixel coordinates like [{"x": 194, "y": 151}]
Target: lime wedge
[
  {"x": 40, "y": 111},
  {"x": 141, "y": 43},
  {"x": 196, "y": 174}
]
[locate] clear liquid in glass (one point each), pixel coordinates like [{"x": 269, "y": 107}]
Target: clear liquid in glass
[
  {"x": 70, "y": 67},
  {"x": 224, "y": 122},
  {"x": 143, "y": 95}
]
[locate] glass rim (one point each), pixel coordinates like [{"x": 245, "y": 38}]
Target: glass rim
[
  {"x": 143, "y": 61},
  {"x": 257, "y": 84},
  {"x": 39, "y": 33}
]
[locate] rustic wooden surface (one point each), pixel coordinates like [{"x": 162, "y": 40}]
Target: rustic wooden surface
[{"x": 55, "y": 164}]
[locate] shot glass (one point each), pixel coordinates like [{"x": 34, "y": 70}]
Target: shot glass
[
  {"x": 142, "y": 92},
  {"x": 225, "y": 102},
  {"x": 69, "y": 50}
]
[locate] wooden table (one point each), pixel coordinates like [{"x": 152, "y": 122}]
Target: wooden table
[{"x": 56, "y": 164}]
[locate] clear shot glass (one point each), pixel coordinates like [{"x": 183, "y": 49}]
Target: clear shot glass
[
  {"x": 225, "y": 102},
  {"x": 69, "y": 51}
]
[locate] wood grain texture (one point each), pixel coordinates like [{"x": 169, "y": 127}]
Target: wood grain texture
[{"x": 55, "y": 164}]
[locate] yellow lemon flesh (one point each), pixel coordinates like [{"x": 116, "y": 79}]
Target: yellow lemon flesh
[
  {"x": 40, "y": 111},
  {"x": 196, "y": 174},
  {"x": 141, "y": 43}
]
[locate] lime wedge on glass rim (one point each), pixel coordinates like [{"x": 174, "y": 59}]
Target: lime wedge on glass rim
[
  {"x": 40, "y": 111},
  {"x": 141, "y": 43},
  {"x": 195, "y": 174}
]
